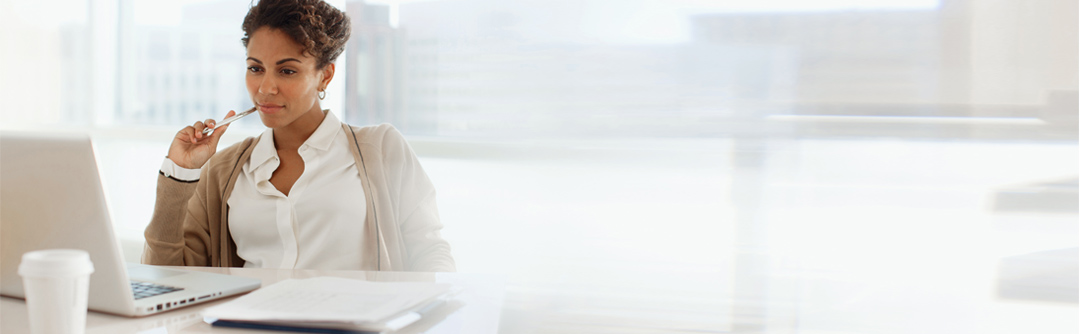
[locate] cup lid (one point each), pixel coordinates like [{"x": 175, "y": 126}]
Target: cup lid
[{"x": 56, "y": 262}]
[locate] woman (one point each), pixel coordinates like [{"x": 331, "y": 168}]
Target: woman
[{"x": 310, "y": 192}]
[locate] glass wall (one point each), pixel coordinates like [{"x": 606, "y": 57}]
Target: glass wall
[{"x": 647, "y": 163}]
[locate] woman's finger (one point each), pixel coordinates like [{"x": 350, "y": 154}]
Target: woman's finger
[
  {"x": 210, "y": 123},
  {"x": 198, "y": 126},
  {"x": 213, "y": 125},
  {"x": 186, "y": 134}
]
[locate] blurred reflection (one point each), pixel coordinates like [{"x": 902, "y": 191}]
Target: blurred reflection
[
  {"x": 1041, "y": 276},
  {"x": 585, "y": 70},
  {"x": 1058, "y": 196},
  {"x": 183, "y": 61}
]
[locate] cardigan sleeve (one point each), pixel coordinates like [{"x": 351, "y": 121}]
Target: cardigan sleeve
[
  {"x": 427, "y": 250},
  {"x": 178, "y": 234},
  {"x": 417, "y": 212}
]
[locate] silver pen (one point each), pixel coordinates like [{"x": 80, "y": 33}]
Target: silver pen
[{"x": 228, "y": 120}]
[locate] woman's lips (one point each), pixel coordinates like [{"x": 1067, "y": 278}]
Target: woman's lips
[{"x": 270, "y": 108}]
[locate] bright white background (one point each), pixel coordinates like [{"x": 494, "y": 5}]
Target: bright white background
[{"x": 648, "y": 164}]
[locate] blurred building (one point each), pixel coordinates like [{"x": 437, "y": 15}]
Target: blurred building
[
  {"x": 510, "y": 68},
  {"x": 887, "y": 56},
  {"x": 484, "y": 67},
  {"x": 374, "y": 62},
  {"x": 539, "y": 68},
  {"x": 176, "y": 74},
  {"x": 75, "y": 78},
  {"x": 957, "y": 71},
  {"x": 493, "y": 68}
]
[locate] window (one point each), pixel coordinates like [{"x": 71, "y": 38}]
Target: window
[{"x": 646, "y": 142}]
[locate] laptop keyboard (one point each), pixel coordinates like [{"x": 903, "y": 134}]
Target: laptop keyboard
[{"x": 144, "y": 289}]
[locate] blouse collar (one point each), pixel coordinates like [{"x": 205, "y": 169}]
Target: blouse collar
[{"x": 321, "y": 139}]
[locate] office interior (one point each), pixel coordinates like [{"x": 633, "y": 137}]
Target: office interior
[{"x": 650, "y": 166}]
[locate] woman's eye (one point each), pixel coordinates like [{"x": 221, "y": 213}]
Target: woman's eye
[
  {"x": 254, "y": 69},
  {"x": 287, "y": 71}
]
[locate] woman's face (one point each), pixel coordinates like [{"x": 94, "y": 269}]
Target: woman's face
[{"x": 282, "y": 80}]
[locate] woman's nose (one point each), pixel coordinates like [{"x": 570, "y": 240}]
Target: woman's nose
[{"x": 267, "y": 85}]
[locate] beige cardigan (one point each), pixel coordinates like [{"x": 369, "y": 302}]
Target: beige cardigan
[{"x": 190, "y": 222}]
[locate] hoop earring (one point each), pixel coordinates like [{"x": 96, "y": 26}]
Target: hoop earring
[{"x": 322, "y": 94}]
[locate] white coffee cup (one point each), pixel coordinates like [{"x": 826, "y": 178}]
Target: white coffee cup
[{"x": 56, "y": 283}]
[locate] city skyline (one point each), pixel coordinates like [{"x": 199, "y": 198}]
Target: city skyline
[{"x": 467, "y": 69}]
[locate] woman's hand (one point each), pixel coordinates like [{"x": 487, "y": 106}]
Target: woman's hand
[{"x": 191, "y": 148}]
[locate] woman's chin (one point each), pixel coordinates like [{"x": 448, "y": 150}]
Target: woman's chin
[{"x": 272, "y": 122}]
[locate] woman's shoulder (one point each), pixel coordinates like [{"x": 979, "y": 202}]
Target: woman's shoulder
[
  {"x": 382, "y": 135},
  {"x": 375, "y": 132},
  {"x": 384, "y": 142}
]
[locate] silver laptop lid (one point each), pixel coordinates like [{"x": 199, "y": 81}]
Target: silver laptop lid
[{"x": 51, "y": 197}]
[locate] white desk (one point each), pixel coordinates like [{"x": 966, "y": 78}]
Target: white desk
[
  {"x": 783, "y": 298},
  {"x": 482, "y": 304}
]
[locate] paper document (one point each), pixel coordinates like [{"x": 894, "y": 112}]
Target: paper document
[{"x": 332, "y": 302}]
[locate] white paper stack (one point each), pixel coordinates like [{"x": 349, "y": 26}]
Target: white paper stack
[{"x": 331, "y": 303}]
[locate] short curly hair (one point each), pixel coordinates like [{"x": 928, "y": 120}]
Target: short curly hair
[{"x": 320, "y": 28}]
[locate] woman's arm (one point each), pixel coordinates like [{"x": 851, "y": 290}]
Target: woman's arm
[
  {"x": 427, "y": 250},
  {"x": 178, "y": 233},
  {"x": 418, "y": 213}
]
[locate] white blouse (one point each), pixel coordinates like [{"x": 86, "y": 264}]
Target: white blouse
[{"x": 319, "y": 224}]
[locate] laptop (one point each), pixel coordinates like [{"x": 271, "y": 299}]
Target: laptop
[{"x": 51, "y": 197}]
